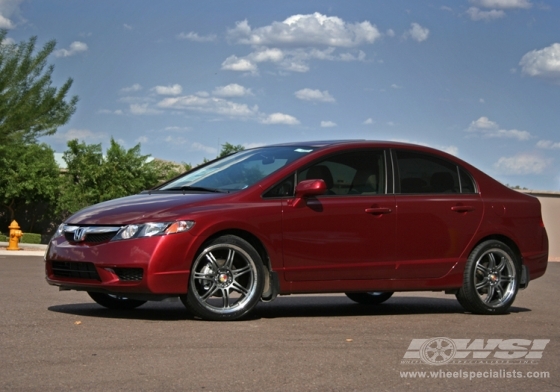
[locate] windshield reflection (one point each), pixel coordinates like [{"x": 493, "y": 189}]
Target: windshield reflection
[{"x": 238, "y": 171}]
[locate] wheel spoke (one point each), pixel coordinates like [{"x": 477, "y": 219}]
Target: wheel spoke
[
  {"x": 225, "y": 295},
  {"x": 229, "y": 262},
  {"x": 490, "y": 294},
  {"x": 500, "y": 292},
  {"x": 482, "y": 284},
  {"x": 203, "y": 276},
  {"x": 211, "y": 291},
  {"x": 503, "y": 263},
  {"x": 507, "y": 279},
  {"x": 481, "y": 268},
  {"x": 237, "y": 287},
  {"x": 491, "y": 261},
  {"x": 212, "y": 260},
  {"x": 240, "y": 271}
]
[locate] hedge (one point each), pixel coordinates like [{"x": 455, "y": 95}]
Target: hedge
[{"x": 27, "y": 238}]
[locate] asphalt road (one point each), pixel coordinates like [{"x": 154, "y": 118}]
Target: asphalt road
[{"x": 51, "y": 340}]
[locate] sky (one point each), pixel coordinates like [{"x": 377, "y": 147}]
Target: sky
[{"x": 479, "y": 79}]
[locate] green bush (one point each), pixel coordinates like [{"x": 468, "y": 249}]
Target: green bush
[
  {"x": 30, "y": 238},
  {"x": 27, "y": 238}
]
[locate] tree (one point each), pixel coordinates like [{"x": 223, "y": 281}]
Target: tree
[
  {"x": 92, "y": 177},
  {"x": 29, "y": 106},
  {"x": 230, "y": 149},
  {"x": 29, "y": 182}
]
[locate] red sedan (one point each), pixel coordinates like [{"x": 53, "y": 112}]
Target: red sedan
[{"x": 358, "y": 217}]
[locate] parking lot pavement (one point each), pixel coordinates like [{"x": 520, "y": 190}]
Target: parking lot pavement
[{"x": 51, "y": 340}]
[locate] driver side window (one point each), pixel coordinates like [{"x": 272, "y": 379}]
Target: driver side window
[{"x": 351, "y": 173}]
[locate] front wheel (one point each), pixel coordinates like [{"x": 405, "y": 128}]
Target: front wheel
[
  {"x": 370, "y": 298},
  {"x": 113, "y": 301},
  {"x": 227, "y": 280},
  {"x": 491, "y": 279}
]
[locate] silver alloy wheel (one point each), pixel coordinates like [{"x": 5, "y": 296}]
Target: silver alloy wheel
[
  {"x": 224, "y": 278},
  {"x": 495, "y": 277}
]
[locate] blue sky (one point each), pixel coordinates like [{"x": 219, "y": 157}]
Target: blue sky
[{"x": 477, "y": 78}]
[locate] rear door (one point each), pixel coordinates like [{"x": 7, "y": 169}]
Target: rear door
[{"x": 438, "y": 210}]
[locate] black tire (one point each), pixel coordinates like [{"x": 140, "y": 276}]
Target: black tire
[
  {"x": 226, "y": 281},
  {"x": 370, "y": 298},
  {"x": 113, "y": 301},
  {"x": 491, "y": 279}
]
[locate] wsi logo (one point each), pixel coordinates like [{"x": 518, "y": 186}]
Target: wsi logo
[{"x": 441, "y": 351}]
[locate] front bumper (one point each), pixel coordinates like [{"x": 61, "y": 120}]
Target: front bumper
[{"x": 154, "y": 265}]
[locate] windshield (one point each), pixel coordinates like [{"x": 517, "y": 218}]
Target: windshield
[{"x": 239, "y": 170}]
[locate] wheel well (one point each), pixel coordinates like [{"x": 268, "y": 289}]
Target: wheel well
[
  {"x": 251, "y": 239},
  {"x": 506, "y": 240}
]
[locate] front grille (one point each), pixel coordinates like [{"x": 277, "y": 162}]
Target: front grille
[
  {"x": 129, "y": 274},
  {"x": 72, "y": 269},
  {"x": 92, "y": 237}
]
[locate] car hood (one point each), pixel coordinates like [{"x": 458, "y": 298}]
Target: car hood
[{"x": 145, "y": 207}]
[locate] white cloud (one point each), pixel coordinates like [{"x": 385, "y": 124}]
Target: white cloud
[
  {"x": 201, "y": 147},
  {"x": 369, "y": 121},
  {"x": 192, "y": 36},
  {"x": 80, "y": 134},
  {"x": 175, "y": 89},
  {"x": 142, "y": 139},
  {"x": 548, "y": 145},
  {"x": 417, "y": 32},
  {"x": 301, "y": 38},
  {"x": 7, "y": 9},
  {"x": 308, "y": 94},
  {"x": 502, "y": 4},
  {"x": 135, "y": 87},
  {"x": 127, "y": 27},
  {"x": 75, "y": 48},
  {"x": 522, "y": 164},
  {"x": 390, "y": 33},
  {"x": 294, "y": 60},
  {"x": 306, "y": 30},
  {"x": 107, "y": 111},
  {"x": 328, "y": 124},
  {"x": 280, "y": 118},
  {"x": 7, "y": 41},
  {"x": 487, "y": 128},
  {"x": 232, "y": 90},
  {"x": 142, "y": 109},
  {"x": 544, "y": 63},
  {"x": 233, "y": 63},
  {"x": 208, "y": 105},
  {"x": 254, "y": 145},
  {"x": 476, "y": 14},
  {"x": 5, "y": 23}
]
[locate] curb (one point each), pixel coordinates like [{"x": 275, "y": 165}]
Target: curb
[{"x": 25, "y": 250}]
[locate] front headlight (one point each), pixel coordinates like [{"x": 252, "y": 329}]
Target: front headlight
[{"x": 151, "y": 229}]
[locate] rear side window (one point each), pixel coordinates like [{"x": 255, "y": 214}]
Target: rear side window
[{"x": 424, "y": 173}]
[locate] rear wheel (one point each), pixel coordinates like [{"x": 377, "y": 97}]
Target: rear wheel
[
  {"x": 370, "y": 298},
  {"x": 491, "y": 279},
  {"x": 113, "y": 301},
  {"x": 227, "y": 280}
]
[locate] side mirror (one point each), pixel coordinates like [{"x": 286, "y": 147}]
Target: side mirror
[{"x": 306, "y": 189}]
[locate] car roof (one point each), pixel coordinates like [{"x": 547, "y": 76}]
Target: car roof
[{"x": 329, "y": 143}]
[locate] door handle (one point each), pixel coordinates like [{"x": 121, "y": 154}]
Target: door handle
[
  {"x": 378, "y": 210},
  {"x": 462, "y": 208}
]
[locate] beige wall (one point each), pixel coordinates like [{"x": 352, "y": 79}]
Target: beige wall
[{"x": 550, "y": 207}]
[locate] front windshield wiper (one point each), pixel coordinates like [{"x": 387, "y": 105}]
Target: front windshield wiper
[{"x": 195, "y": 188}]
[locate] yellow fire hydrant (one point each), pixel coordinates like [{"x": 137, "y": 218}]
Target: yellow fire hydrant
[{"x": 15, "y": 235}]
